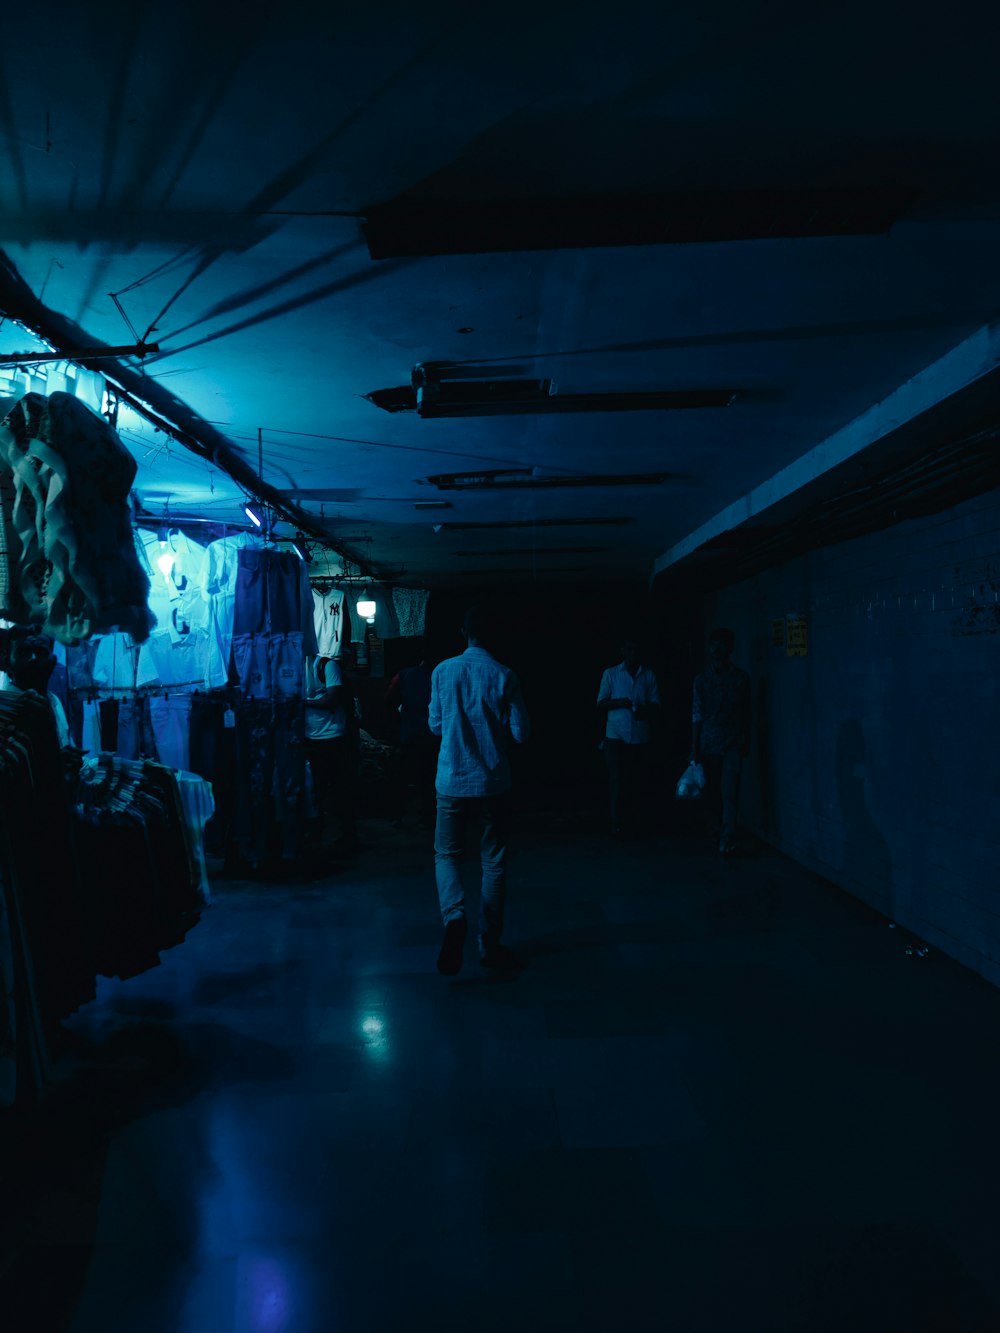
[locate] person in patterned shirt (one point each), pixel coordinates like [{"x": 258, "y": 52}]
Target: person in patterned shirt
[{"x": 720, "y": 732}]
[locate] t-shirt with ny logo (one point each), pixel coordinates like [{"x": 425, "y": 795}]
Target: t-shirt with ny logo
[{"x": 328, "y": 618}]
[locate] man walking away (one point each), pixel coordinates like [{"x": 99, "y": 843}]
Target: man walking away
[
  {"x": 721, "y": 732},
  {"x": 476, "y": 708},
  {"x": 628, "y": 699}
]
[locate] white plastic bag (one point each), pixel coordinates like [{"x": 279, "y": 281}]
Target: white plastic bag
[{"x": 692, "y": 782}]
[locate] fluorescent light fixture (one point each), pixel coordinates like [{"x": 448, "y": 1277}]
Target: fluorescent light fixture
[
  {"x": 533, "y": 523},
  {"x": 253, "y": 516},
  {"x": 500, "y": 479}
]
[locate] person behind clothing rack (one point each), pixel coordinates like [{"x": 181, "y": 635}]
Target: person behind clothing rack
[
  {"x": 29, "y": 662},
  {"x": 331, "y": 748}
]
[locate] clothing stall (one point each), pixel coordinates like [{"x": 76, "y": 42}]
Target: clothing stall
[
  {"x": 185, "y": 653},
  {"x": 100, "y": 865}
]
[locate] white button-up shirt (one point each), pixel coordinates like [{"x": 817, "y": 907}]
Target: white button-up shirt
[
  {"x": 642, "y": 690},
  {"x": 476, "y": 706}
]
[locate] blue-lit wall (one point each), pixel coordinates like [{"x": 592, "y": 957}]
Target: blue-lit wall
[{"x": 876, "y": 757}]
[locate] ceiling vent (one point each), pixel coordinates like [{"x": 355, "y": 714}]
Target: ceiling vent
[
  {"x": 406, "y": 227},
  {"x": 441, "y": 389}
]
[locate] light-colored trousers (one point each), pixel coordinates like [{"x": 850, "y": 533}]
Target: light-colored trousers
[{"x": 455, "y": 816}]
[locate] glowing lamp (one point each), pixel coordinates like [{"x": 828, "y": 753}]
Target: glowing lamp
[{"x": 366, "y": 606}]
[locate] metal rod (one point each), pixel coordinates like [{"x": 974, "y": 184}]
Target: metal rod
[{"x": 95, "y": 354}]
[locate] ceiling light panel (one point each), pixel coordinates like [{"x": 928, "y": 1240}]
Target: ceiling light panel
[
  {"x": 534, "y": 551},
  {"x": 522, "y": 479},
  {"x": 536, "y": 523}
]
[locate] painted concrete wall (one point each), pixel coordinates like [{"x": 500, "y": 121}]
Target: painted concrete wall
[{"x": 876, "y": 757}]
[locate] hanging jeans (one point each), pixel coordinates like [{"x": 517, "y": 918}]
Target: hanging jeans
[
  {"x": 268, "y": 593},
  {"x": 455, "y": 815},
  {"x": 270, "y": 775},
  {"x": 171, "y": 722},
  {"x": 212, "y": 755},
  {"x": 290, "y": 773},
  {"x": 136, "y": 739},
  {"x": 287, "y": 662}
]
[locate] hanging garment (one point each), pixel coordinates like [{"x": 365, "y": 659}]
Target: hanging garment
[
  {"x": 268, "y": 598},
  {"x": 136, "y": 738},
  {"x": 287, "y": 666},
  {"x": 273, "y": 595},
  {"x": 9, "y": 600},
  {"x": 175, "y": 595},
  {"x": 198, "y": 807},
  {"x": 307, "y": 621},
  {"x": 138, "y": 875},
  {"x": 213, "y": 757},
  {"x": 170, "y": 719},
  {"x": 121, "y": 664},
  {"x": 90, "y": 731},
  {"x": 219, "y": 590},
  {"x": 181, "y": 663},
  {"x": 74, "y": 563},
  {"x": 80, "y": 665},
  {"x": 252, "y": 660},
  {"x": 411, "y": 610},
  {"x": 331, "y": 622}
]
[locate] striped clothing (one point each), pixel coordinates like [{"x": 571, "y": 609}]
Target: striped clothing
[{"x": 476, "y": 705}]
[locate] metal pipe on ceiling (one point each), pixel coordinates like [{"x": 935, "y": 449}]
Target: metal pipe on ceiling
[{"x": 157, "y": 405}]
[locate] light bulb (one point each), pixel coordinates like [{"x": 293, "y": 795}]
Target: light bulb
[{"x": 165, "y": 562}]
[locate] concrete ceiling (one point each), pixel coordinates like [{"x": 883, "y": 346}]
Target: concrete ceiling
[{"x": 214, "y": 174}]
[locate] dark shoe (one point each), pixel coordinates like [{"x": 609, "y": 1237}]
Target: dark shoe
[
  {"x": 727, "y": 846},
  {"x": 502, "y": 958},
  {"x": 450, "y": 957}
]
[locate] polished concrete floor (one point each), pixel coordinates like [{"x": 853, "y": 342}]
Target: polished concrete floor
[{"x": 719, "y": 1096}]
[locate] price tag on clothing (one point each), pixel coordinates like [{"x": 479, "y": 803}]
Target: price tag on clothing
[{"x": 229, "y": 719}]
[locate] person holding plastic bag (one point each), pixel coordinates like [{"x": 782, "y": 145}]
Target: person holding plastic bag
[{"x": 720, "y": 733}]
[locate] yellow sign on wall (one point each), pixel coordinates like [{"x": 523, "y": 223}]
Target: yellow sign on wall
[{"x": 797, "y": 636}]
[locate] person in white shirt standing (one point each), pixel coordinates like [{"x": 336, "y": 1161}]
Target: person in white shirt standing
[
  {"x": 331, "y": 750},
  {"x": 476, "y": 708},
  {"x": 628, "y": 700}
]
